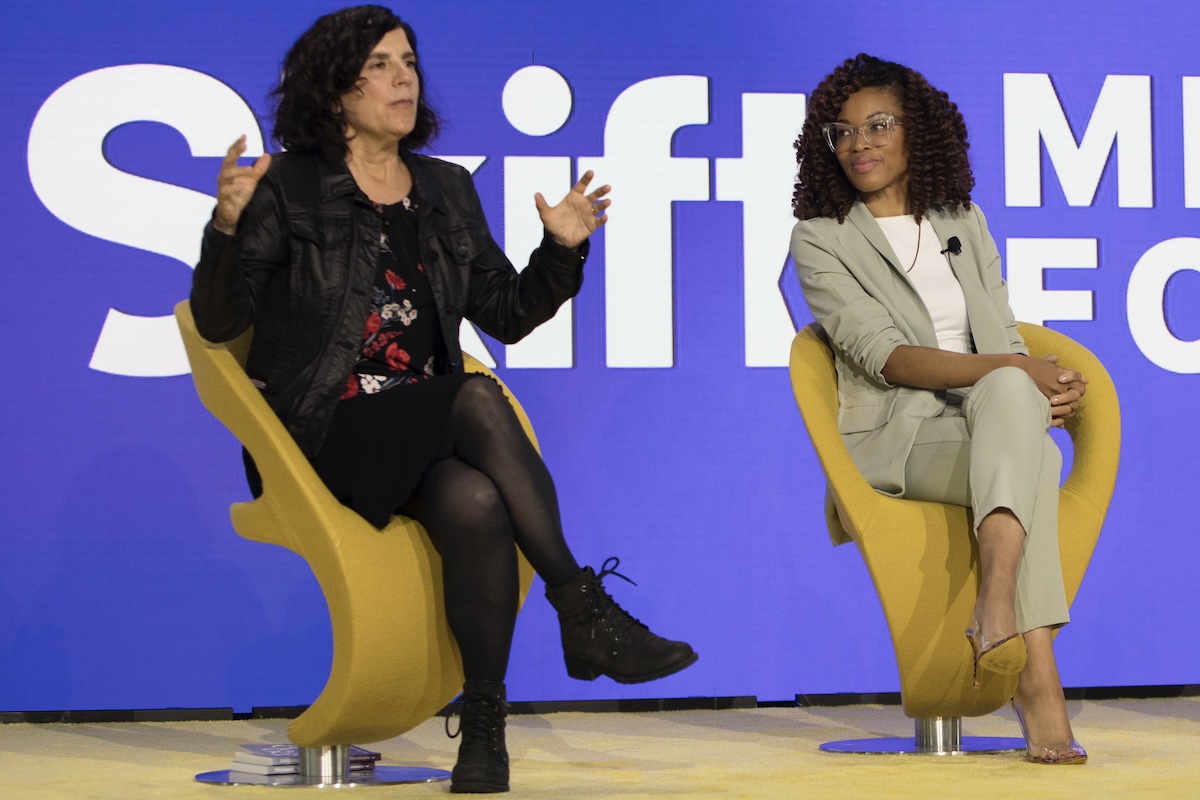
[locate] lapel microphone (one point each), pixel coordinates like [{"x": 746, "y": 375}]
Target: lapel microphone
[{"x": 953, "y": 246}]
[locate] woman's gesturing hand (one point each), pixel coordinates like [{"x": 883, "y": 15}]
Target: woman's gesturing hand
[
  {"x": 235, "y": 186},
  {"x": 579, "y": 214}
]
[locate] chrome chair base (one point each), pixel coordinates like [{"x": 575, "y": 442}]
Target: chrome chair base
[
  {"x": 934, "y": 736},
  {"x": 326, "y": 767}
]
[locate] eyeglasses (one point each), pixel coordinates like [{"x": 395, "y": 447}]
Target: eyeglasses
[{"x": 876, "y": 132}]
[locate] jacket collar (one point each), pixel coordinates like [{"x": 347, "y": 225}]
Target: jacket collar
[
  {"x": 429, "y": 193},
  {"x": 863, "y": 220},
  {"x": 337, "y": 182}
]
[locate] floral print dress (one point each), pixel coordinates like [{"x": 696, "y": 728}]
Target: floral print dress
[
  {"x": 390, "y": 422},
  {"x": 400, "y": 347}
]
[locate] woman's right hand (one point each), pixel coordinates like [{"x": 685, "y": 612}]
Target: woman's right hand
[
  {"x": 1045, "y": 374},
  {"x": 235, "y": 186}
]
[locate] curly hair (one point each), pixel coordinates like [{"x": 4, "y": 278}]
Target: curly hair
[
  {"x": 324, "y": 64},
  {"x": 935, "y": 139}
]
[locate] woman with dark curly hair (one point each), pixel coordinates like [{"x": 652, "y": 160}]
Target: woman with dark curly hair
[
  {"x": 356, "y": 259},
  {"x": 938, "y": 397}
]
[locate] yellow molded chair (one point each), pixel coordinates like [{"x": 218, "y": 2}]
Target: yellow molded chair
[
  {"x": 395, "y": 662},
  {"x": 922, "y": 559}
]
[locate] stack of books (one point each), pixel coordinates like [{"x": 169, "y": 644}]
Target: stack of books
[{"x": 284, "y": 759}]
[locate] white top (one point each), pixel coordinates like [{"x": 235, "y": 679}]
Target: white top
[{"x": 930, "y": 273}]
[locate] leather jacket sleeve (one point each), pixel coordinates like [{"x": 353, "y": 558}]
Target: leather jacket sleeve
[
  {"x": 231, "y": 278},
  {"x": 508, "y": 304}
]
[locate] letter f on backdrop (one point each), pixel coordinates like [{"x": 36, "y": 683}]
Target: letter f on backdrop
[{"x": 646, "y": 179}]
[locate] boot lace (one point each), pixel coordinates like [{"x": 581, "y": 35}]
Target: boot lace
[
  {"x": 605, "y": 569},
  {"x": 607, "y": 611},
  {"x": 477, "y": 718}
]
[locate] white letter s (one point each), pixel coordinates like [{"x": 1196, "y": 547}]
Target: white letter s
[{"x": 69, "y": 172}]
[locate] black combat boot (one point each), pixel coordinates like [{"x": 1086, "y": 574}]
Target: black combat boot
[
  {"x": 482, "y": 758},
  {"x": 601, "y": 638}
]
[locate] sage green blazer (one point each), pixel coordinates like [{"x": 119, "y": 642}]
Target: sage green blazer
[{"x": 857, "y": 290}]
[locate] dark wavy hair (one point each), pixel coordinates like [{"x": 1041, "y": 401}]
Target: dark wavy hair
[
  {"x": 935, "y": 141},
  {"x": 323, "y": 65}
]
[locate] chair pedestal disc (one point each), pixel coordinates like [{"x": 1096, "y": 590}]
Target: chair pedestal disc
[{"x": 935, "y": 736}]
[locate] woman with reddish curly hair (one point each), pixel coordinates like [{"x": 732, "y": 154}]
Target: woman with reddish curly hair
[{"x": 939, "y": 399}]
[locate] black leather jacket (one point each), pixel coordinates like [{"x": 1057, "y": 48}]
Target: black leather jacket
[{"x": 302, "y": 266}]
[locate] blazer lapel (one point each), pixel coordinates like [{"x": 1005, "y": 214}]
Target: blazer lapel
[
  {"x": 918, "y": 324},
  {"x": 989, "y": 337},
  {"x": 861, "y": 218}
]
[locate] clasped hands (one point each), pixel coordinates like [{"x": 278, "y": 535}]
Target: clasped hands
[{"x": 1063, "y": 387}]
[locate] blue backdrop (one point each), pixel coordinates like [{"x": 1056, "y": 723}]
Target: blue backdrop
[{"x": 661, "y": 398}]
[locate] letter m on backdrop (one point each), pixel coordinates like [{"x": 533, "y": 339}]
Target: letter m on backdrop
[{"x": 1121, "y": 116}]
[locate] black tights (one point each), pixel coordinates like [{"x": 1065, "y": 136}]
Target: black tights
[{"x": 488, "y": 490}]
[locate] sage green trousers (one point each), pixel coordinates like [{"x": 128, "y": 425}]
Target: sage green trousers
[{"x": 995, "y": 452}]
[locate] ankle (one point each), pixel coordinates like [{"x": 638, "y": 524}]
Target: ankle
[
  {"x": 995, "y": 613},
  {"x": 561, "y": 579},
  {"x": 1039, "y": 696}
]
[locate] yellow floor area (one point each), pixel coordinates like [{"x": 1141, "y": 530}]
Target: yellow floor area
[{"x": 1138, "y": 748}]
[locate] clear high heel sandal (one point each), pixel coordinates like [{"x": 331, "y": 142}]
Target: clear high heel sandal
[
  {"x": 1004, "y": 656},
  {"x": 1057, "y": 754}
]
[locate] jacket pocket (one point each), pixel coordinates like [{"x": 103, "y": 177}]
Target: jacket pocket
[
  {"x": 463, "y": 244},
  {"x": 323, "y": 231},
  {"x": 865, "y": 404},
  {"x": 861, "y": 418}
]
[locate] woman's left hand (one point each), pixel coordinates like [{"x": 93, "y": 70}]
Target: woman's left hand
[{"x": 573, "y": 220}]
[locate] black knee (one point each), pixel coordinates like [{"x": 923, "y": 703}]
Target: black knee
[
  {"x": 461, "y": 508},
  {"x": 479, "y": 501},
  {"x": 481, "y": 400}
]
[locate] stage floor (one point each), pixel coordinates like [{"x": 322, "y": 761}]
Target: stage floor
[{"x": 1138, "y": 748}]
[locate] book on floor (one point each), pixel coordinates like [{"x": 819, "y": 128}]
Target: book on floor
[
  {"x": 265, "y": 769},
  {"x": 359, "y": 768},
  {"x": 289, "y": 755}
]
